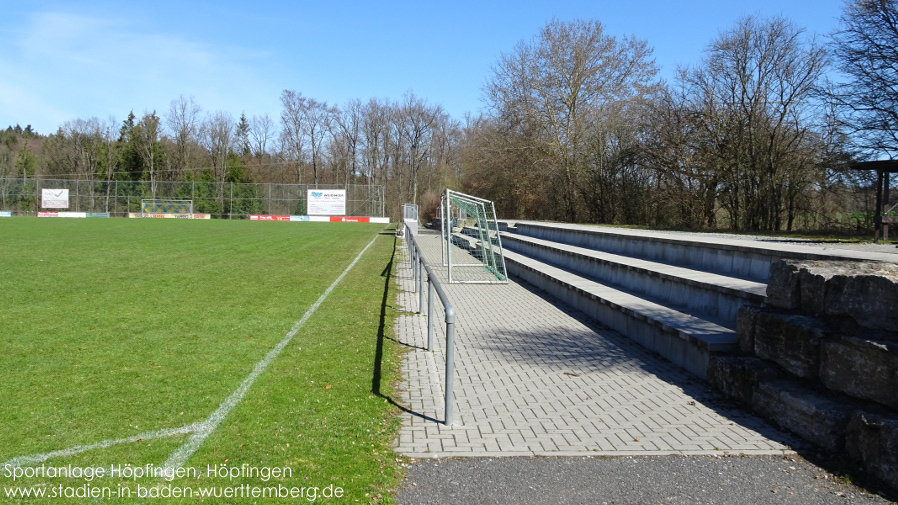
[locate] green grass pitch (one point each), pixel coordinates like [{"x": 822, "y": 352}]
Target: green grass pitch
[{"x": 112, "y": 327}]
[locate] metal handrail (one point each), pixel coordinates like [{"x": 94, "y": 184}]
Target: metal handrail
[{"x": 421, "y": 271}]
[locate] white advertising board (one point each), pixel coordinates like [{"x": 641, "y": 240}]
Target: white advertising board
[
  {"x": 326, "y": 202},
  {"x": 55, "y": 198}
]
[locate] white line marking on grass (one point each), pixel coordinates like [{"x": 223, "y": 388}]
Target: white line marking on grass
[
  {"x": 202, "y": 429},
  {"x": 34, "y": 459},
  {"x": 183, "y": 453}
]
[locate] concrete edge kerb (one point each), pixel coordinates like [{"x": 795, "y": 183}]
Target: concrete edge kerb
[{"x": 596, "y": 454}]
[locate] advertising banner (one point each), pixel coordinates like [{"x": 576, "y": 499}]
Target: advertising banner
[
  {"x": 62, "y": 214},
  {"x": 326, "y": 202},
  {"x": 5, "y": 213},
  {"x": 350, "y": 219},
  {"x": 55, "y": 198},
  {"x": 268, "y": 218},
  {"x": 169, "y": 216},
  {"x": 300, "y": 218}
]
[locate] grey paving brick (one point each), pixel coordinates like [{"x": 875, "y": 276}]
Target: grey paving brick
[{"x": 535, "y": 377}]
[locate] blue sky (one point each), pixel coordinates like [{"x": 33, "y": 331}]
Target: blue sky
[{"x": 68, "y": 60}]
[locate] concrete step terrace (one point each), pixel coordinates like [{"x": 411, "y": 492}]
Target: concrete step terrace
[
  {"x": 704, "y": 294},
  {"x": 734, "y": 257},
  {"x": 682, "y": 338}
]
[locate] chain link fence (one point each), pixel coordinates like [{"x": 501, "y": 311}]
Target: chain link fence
[{"x": 22, "y": 196}]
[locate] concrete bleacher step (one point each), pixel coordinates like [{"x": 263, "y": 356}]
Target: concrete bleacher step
[
  {"x": 675, "y": 294},
  {"x": 682, "y": 338},
  {"x": 684, "y": 313},
  {"x": 707, "y": 295},
  {"x": 725, "y": 256}
]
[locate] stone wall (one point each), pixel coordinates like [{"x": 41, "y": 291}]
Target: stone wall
[{"x": 820, "y": 359}]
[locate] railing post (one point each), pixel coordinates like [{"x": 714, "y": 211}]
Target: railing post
[
  {"x": 415, "y": 265},
  {"x": 450, "y": 362},
  {"x": 429, "y": 314},
  {"x": 421, "y": 275},
  {"x": 420, "y": 270}
]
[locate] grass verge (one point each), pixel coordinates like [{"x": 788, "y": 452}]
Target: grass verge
[{"x": 119, "y": 327}]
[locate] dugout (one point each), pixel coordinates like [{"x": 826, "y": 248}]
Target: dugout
[{"x": 881, "y": 218}]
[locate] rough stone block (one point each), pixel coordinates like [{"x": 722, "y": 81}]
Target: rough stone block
[
  {"x": 872, "y": 440},
  {"x": 745, "y": 328},
  {"x": 737, "y": 377},
  {"x": 791, "y": 341},
  {"x": 869, "y": 295},
  {"x": 812, "y": 279},
  {"x": 807, "y": 413},
  {"x": 864, "y": 291},
  {"x": 782, "y": 285},
  {"x": 861, "y": 368}
]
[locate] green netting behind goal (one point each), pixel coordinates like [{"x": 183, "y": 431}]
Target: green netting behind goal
[
  {"x": 166, "y": 206},
  {"x": 472, "y": 247}
]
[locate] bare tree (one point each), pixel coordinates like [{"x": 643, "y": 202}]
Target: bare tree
[
  {"x": 217, "y": 133},
  {"x": 145, "y": 136},
  {"x": 503, "y": 163},
  {"x": 446, "y": 139},
  {"x": 261, "y": 133},
  {"x": 293, "y": 130},
  {"x": 183, "y": 122},
  {"x": 75, "y": 149},
  {"x": 375, "y": 133},
  {"x": 347, "y": 127},
  {"x": 416, "y": 121},
  {"x": 554, "y": 84},
  {"x": 111, "y": 154},
  {"x": 866, "y": 49},
  {"x": 318, "y": 120},
  {"x": 687, "y": 187},
  {"x": 753, "y": 102}
]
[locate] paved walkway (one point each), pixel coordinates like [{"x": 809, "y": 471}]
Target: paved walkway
[{"x": 535, "y": 377}]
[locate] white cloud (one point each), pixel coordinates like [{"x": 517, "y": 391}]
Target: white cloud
[{"x": 67, "y": 65}]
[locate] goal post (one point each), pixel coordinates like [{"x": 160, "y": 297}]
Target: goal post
[
  {"x": 156, "y": 206},
  {"x": 471, "y": 245}
]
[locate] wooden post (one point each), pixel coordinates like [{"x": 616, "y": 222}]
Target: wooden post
[
  {"x": 885, "y": 205},
  {"x": 877, "y": 213}
]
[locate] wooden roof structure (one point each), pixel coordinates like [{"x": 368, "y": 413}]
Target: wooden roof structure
[{"x": 881, "y": 218}]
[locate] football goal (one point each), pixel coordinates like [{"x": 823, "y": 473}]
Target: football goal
[
  {"x": 154, "y": 206},
  {"x": 471, "y": 245}
]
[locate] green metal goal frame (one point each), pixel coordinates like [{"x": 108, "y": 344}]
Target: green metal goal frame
[{"x": 487, "y": 247}]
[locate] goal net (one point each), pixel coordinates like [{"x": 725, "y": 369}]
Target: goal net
[
  {"x": 471, "y": 245},
  {"x": 153, "y": 206}
]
